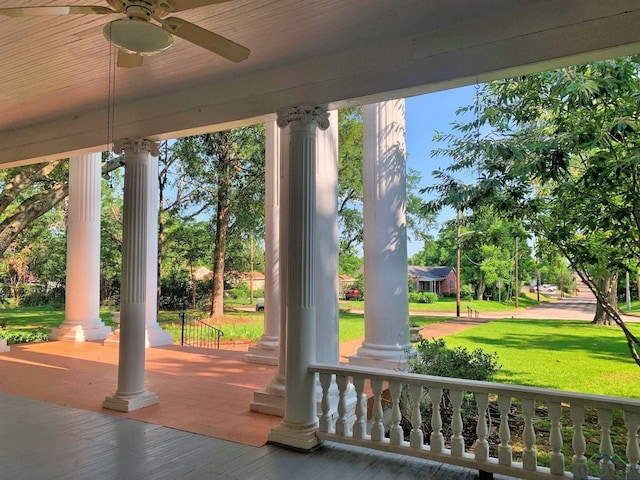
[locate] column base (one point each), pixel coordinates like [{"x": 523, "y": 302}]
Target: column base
[
  {"x": 386, "y": 357},
  {"x": 265, "y": 352},
  {"x": 157, "y": 337},
  {"x": 80, "y": 333},
  {"x": 299, "y": 437},
  {"x": 129, "y": 403},
  {"x": 270, "y": 400},
  {"x": 3, "y": 345},
  {"x": 268, "y": 403},
  {"x": 153, "y": 338}
]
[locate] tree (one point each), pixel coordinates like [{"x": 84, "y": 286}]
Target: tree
[
  {"x": 559, "y": 150},
  {"x": 224, "y": 175}
]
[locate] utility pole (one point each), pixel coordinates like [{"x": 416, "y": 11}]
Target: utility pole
[
  {"x": 459, "y": 215},
  {"x": 538, "y": 271},
  {"x": 628, "y": 292},
  {"x": 517, "y": 289},
  {"x": 251, "y": 269}
]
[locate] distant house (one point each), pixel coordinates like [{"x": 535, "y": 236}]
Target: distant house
[
  {"x": 344, "y": 282},
  {"x": 257, "y": 278},
  {"x": 440, "y": 280}
]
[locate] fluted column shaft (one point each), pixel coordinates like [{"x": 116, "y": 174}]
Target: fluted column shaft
[
  {"x": 131, "y": 393},
  {"x": 155, "y": 336},
  {"x": 327, "y": 243},
  {"x": 266, "y": 350},
  {"x": 385, "y": 238},
  {"x": 82, "y": 304},
  {"x": 298, "y": 428}
]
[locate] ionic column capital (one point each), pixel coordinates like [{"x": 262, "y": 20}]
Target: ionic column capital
[
  {"x": 136, "y": 145},
  {"x": 304, "y": 114}
]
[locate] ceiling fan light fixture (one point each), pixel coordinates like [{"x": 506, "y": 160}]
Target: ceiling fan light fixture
[{"x": 137, "y": 37}]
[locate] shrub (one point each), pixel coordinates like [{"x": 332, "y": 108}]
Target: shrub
[
  {"x": 466, "y": 293},
  {"x": 24, "y": 336},
  {"x": 433, "y": 357},
  {"x": 423, "y": 297}
]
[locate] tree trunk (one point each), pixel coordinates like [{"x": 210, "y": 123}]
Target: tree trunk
[
  {"x": 227, "y": 169},
  {"x": 482, "y": 286},
  {"x": 608, "y": 286},
  {"x": 222, "y": 226}
]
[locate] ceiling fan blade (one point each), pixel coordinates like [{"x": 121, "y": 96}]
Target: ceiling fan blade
[
  {"x": 181, "y": 5},
  {"x": 206, "y": 39},
  {"x": 128, "y": 60},
  {"x": 43, "y": 11}
]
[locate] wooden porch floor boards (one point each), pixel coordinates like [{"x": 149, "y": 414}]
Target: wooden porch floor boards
[
  {"x": 44, "y": 441},
  {"x": 52, "y": 425}
]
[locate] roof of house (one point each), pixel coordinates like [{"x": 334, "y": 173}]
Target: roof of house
[{"x": 429, "y": 273}]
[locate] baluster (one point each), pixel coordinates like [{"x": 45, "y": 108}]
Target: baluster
[
  {"x": 395, "y": 432},
  {"x": 482, "y": 445},
  {"x": 578, "y": 442},
  {"x": 377, "y": 429},
  {"x": 325, "y": 418},
  {"x": 632, "y": 423},
  {"x": 416, "y": 438},
  {"x": 360, "y": 425},
  {"x": 505, "y": 456},
  {"x": 556, "y": 458},
  {"x": 606, "y": 467},
  {"x": 457, "y": 440},
  {"x": 437, "y": 440},
  {"x": 342, "y": 425},
  {"x": 529, "y": 455}
]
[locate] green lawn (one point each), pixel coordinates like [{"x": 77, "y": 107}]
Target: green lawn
[
  {"x": 47, "y": 317},
  {"x": 448, "y": 305},
  {"x": 564, "y": 355}
]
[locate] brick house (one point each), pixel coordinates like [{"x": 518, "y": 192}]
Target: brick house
[{"x": 441, "y": 280}]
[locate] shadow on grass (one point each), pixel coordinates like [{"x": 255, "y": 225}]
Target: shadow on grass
[{"x": 582, "y": 339}]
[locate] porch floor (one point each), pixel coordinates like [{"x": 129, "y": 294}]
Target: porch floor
[{"x": 53, "y": 426}]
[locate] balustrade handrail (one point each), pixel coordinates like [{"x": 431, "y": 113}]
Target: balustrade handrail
[
  {"x": 521, "y": 391},
  {"x": 338, "y": 423}
]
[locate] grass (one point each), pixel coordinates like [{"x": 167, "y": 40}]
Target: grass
[
  {"x": 45, "y": 317},
  {"x": 564, "y": 355},
  {"x": 243, "y": 326},
  {"x": 448, "y": 305}
]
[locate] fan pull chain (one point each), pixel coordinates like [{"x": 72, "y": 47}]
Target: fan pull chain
[{"x": 111, "y": 94}]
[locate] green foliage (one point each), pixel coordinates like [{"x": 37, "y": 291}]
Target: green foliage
[
  {"x": 559, "y": 150},
  {"x": 466, "y": 293},
  {"x": 24, "y": 336},
  {"x": 423, "y": 297},
  {"x": 241, "y": 291},
  {"x": 434, "y": 358}
]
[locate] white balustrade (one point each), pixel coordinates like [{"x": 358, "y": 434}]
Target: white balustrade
[{"x": 400, "y": 391}]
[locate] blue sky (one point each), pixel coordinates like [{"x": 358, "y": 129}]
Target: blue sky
[{"x": 426, "y": 114}]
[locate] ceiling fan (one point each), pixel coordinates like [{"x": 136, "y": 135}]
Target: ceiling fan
[{"x": 136, "y": 36}]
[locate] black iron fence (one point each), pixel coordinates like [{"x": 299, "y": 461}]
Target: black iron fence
[{"x": 198, "y": 333}]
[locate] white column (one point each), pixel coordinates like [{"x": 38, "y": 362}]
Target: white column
[
  {"x": 386, "y": 307},
  {"x": 266, "y": 350},
  {"x": 82, "y": 293},
  {"x": 271, "y": 399},
  {"x": 3, "y": 345},
  {"x": 300, "y": 423},
  {"x": 327, "y": 243},
  {"x": 131, "y": 393},
  {"x": 155, "y": 336}
]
